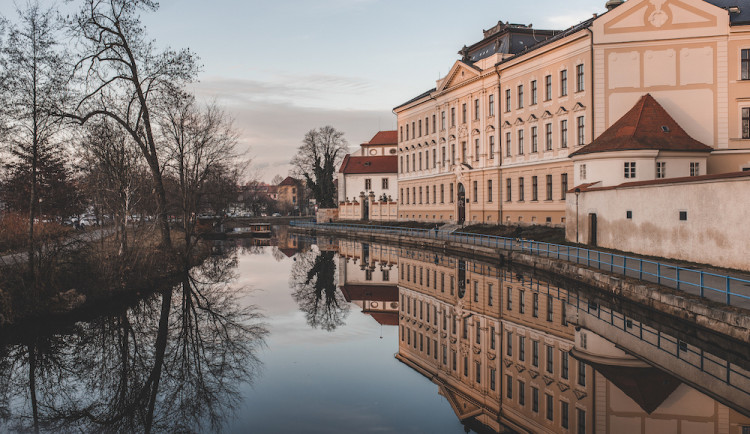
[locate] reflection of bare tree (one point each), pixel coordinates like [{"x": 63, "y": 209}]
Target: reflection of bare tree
[
  {"x": 174, "y": 362},
  {"x": 313, "y": 279}
]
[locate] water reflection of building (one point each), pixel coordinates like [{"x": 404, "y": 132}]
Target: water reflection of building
[
  {"x": 494, "y": 344},
  {"x": 368, "y": 277},
  {"x": 505, "y": 352}
]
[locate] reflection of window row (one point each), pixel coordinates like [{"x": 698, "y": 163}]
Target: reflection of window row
[{"x": 536, "y": 382}]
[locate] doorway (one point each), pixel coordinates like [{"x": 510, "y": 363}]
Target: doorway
[
  {"x": 461, "y": 204},
  {"x": 592, "y": 229}
]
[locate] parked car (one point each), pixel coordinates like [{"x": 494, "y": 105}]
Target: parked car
[{"x": 276, "y": 214}]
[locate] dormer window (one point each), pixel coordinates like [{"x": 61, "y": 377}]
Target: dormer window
[{"x": 665, "y": 128}]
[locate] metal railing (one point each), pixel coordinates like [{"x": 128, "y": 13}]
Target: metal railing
[{"x": 717, "y": 287}]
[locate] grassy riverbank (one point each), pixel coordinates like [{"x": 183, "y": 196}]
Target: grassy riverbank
[{"x": 90, "y": 275}]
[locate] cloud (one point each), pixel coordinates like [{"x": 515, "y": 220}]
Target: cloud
[{"x": 272, "y": 124}]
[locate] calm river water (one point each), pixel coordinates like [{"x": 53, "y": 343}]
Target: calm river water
[{"x": 327, "y": 335}]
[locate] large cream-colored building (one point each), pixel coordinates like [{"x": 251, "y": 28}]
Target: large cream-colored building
[{"x": 491, "y": 142}]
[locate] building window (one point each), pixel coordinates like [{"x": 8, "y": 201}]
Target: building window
[
  {"x": 420, "y": 195},
  {"x": 746, "y": 123},
  {"x": 489, "y": 190},
  {"x": 550, "y": 358},
  {"x": 533, "y": 92},
  {"x": 451, "y": 193},
  {"x": 426, "y": 126},
  {"x": 579, "y": 78},
  {"x": 368, "y": 184},
  {"x": 463, "y": 152},
  {"x": 630, "y": 169},
  {"x": 548, "y": 88},
  {"x": 661, "y": 169},
  {"x": 564, "y": 133},
  {"x": 407, "y": 131},
  {"x": 534, "y": 399},
  {"x": 550, "y": 308},
  {"x": 414, "y": 195},
  {"x": 521, "y": 300},
  {"x": 581, "y": 373},
  {"x": 564, "y": 422},
  {"x": 463, "y": 113},
  {"x": 521, "y": 393},
  {"x": 453, "y": 117},
  {"x": 520, "y": 142},
  {"x": 522, "y": 348},
  {"x": 507, "y": 100},
  {"x": 535, "y": 352},
  {"x": 565, "y": 360},
  {"x": 550, "y": 407},
  {"x": 491, "y": 104},
  {"x": 476, "y": 149},
  {"x": 453, "y": 154},
  {"x": 476, "y": 109},
  {"x": 402, "y": 196},
  {"x": 695, "y": 169},
  {"x": 581, "y": 421},
  {"x": 385, "y": 183},
  {"x": 549, "y": 187},
  {"x": 534, "y": 140},
  {"x": 548, "y": 137},
  {"x": 564, "y": 184},
  {"x": 401, "y": 133},
  {"x": 490, "y": 303},
  {"x": 413, "y": 130},
  {"x": 442, "y": 120},
  {"x": 746, "y": 64},
  {"x": 564, "y": 82},
  {"x": 442, "y": 193},
  {"x": 581, "y": 131},
  {"x": 420, "y": 128},
  {"x": 492, "y": 147},
  {"x": 582, "y": 170},
  {"x": 509, "y": 344},
  {"x": 493, "y": 374},
  {"x": 535, "y": 195},
  {"x": 508, "y": 198},
  {"x": 476, "y": 190},
  {"x": 434, "y": 194},
  {"x": 509, "y": 387},
  {"x": 683, "y": 216},
  {"x": 520, "y": 96},
  {"x": 521, "y": 199},
  {"x": 508, "y": 143},
  {"x": 434, "y": 158},
  {"x": 434, "y": 124}
]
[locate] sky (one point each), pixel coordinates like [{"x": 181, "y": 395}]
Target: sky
[{"x": 283, "y": 67}]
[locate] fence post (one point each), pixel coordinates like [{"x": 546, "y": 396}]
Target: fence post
[
  {"x": 658, "y": 273},
  {"x": 729, "y": 300},
  {"x": 677, "y": 269},
  {"x": 701, "y": 283}
]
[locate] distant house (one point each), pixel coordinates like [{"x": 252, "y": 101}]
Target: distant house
[
  {"x": 290, "y": 194},
  {"x": 372, "y": 169}
]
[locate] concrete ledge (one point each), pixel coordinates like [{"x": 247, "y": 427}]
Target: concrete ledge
[{"x": 727, "y": 320}]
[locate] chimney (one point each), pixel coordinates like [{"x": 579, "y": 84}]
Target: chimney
[{"x": 611, "y": 4}]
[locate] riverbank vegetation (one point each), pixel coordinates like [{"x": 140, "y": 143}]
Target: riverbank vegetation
[{"x": 107, "y": 158}]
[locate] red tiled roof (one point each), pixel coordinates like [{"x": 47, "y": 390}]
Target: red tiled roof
[
  {"x": 384, "y": 138},
  {"x": 642, "y": 128},
  {"x": 370, "y": 292},
  {"x": 385, "y": 318},
  {"x": 684, "y": 179},
  {"x": 289, "y": 181},
  {"x": 378, "y": 164}
]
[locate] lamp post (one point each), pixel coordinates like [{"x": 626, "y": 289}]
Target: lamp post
[{"x": 578, "y": 192}]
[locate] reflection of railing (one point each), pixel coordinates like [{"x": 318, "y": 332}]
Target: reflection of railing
[
  {"x": 719, "y": 369},
  {"x": 705, "y": 284}
]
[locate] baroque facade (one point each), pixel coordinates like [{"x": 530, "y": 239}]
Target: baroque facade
[{"x": 491, "y": 142}]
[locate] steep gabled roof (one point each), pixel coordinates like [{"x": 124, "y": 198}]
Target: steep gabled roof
[
  {"x": 362, "y": 165},
  {"x": 646, "y": 126},
  {"x": 289, "y": 181},
  {"x": 384, "y": 138}
]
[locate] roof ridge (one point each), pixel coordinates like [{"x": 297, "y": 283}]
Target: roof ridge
[{"x": 640, "y": 112}]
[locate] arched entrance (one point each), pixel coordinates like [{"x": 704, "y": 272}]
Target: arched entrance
[{"x": 461, "y": 204}]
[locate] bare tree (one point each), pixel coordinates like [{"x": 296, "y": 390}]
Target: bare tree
[
  {"x": 113, "y": 172},
  {"x": 321, "y": 152},
  {"x": 277, "y": 179},
  {"x": 125, "y": 78},
  {"x": 201, "y": 150},
  {"x": 33, "y": 84}
]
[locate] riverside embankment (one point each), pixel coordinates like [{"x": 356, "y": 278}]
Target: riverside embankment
[{"x": 717, "y": 302}]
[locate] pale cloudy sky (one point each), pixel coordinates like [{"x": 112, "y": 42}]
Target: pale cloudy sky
[{"x": 283, "y": 67}]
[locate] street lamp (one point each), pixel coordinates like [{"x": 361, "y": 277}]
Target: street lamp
[{"x": 578, "y": 192}]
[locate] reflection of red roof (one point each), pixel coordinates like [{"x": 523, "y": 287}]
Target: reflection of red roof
[
  {"x": 379, "y": 164},
  {"x": 384, "y": 138},
  {"x": 370, "y": 292},
  {"x": 647, "y": 387},
  {"x": 289, "y": 252},
  {"x": 386, "y": 318},
  {"x": 646, "y": 126}
]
